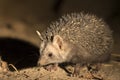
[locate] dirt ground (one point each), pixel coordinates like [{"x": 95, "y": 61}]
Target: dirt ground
[
  {"x": 19, "y": 43},
  {"x": 109, "y": 71}
]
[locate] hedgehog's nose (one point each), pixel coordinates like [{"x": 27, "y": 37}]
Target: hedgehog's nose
[{"x": 40, "y": 63}]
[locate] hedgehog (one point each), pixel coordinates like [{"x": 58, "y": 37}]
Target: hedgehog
[{"x": 76, "y": 38}]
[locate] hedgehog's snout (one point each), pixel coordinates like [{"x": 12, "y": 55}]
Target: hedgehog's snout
[
  {"x": 42, "y": 61},
  {"x": 38, "y": 64}
]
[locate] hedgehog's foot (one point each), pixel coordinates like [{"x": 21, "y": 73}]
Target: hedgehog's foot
[
  {"x": 76, "y": 71},
  {"x": 93, "y": 71},
  {"x": 93, "y": 76},
  {"x": 95, "y": 68},
  {"x": 51, "y": 67}
]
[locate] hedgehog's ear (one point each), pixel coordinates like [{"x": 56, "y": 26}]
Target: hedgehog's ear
[{"x": 58, "y": 41}]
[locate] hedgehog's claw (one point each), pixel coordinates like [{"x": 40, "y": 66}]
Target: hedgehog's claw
[
  {"x": 95, "y": 68},
  {"x": 51, "y": 67},
  {"x": 76, "y": 71}
]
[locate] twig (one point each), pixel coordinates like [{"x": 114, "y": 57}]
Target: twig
[{"x": 14, "y": 67}]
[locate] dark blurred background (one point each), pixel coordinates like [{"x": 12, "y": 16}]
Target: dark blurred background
[{"x": 19, "y": 19}]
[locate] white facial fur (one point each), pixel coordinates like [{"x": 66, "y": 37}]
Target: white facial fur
[{"x": 55, "y": 51}]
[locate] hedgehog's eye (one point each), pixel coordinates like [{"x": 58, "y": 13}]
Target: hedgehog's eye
[{"x": 50, "y": 55}]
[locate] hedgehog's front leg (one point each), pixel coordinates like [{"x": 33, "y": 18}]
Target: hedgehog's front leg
[
  {"x": 76, "y": 70},
  {"x": 51, "y": 67}
]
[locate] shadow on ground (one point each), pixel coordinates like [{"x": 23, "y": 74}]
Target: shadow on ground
[{"x": 20, "y": 53}]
